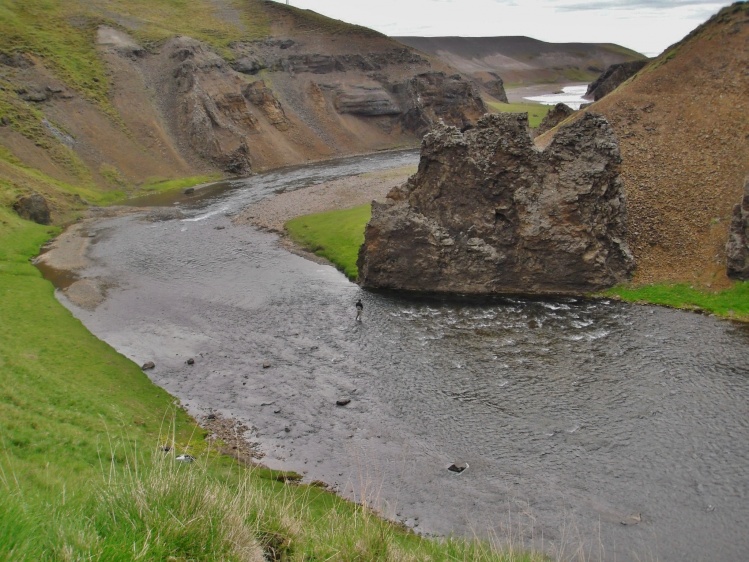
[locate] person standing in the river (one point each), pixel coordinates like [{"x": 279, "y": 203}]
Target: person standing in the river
[{"x": 359, "y": 309}]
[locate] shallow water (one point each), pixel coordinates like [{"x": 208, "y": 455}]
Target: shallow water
[
  {"x": 573, "y": 415},
  {"x": 569, "y": 95}
]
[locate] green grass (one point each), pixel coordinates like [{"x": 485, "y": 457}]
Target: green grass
[
  {"x": 730, "y": 303},
  {"x": 82, "y": 475},
  {"x": 536, "y": 112},
  {"x": 335, "y": 235}
]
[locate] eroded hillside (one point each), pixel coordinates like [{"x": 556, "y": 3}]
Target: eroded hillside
[
  {"x": 122, "y": 94},
  {"x": 683, "y": 128}
]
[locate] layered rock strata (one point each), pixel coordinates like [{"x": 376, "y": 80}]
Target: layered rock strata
[{"x": 487, "y": 213}]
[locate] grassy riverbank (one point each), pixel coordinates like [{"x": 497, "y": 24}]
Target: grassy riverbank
[
  {"x": 334, "y": 235},
  {"x": 83, "y": 474},
  {"x": 337, "y": 235}
]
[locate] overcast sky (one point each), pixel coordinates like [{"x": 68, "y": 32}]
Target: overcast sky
[{"x": 647, "y": 26}]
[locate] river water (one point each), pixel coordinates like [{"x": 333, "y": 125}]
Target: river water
[{"x": 574, "y": 416}]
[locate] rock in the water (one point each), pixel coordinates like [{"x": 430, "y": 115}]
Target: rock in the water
[
  {"x": 343, "y": 402},
  {"x": 458, "y": 466},
  {"x": 737, "y": 247},
  {"x": 33, "y": 207},
  {"x": 556, "y": 115},
  {"x": 148, "y": 365},
  {"x": 488, "y": 213}
]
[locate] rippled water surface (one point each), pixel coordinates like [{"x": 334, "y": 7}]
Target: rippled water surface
[{"x": 573, "y": 415}]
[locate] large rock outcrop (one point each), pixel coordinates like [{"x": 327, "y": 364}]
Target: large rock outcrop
[
  {"x": 737, "y": 247},
  {"x": 488, "y": 213},
  {"x": 613, "y": 77},
  {"x": 556, "y": 115}
]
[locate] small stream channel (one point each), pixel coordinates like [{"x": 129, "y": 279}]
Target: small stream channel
[{"x": 576, "y": 417}]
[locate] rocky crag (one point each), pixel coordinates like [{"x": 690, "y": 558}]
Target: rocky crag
[
  {"x": 556, "y": 116},
  {"x": 612, "y": 78},
  {"x": 487, "y": 213}
]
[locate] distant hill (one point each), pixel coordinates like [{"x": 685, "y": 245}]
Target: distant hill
[
  {"x": 683, "y": 128},
  {"x": 117, "y": 95},
  {"x": 523, "y": 60}
]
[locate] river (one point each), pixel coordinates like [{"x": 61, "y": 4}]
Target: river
[{"x": 615, "y": 429}]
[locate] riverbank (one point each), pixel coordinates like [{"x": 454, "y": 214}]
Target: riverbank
[{"x": 89, "y": 441}]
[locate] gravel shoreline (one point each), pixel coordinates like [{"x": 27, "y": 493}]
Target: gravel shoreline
[{"x": 272, "y": 214}]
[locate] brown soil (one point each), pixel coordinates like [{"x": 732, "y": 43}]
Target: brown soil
[{"x": 683, "y": 128}]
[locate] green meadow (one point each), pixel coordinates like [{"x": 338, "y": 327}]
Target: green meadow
[{"x": 335, "y": 235}]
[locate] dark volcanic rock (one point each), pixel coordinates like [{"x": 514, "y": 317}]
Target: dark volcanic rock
[
  {"x": 33, "y": 207},
  {"x": 365, "y": 100},
  {"x": 487, "y": 213},
  {"x": 496, "y": 88},
  {"x": 559, "y": 113},
  {"x": 433, "y": 96},
  {"x": 737, "y": 247},
  {"x": 613, "y": 77}
]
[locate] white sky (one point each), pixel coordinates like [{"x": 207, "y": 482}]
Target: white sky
[{"x": 647, "y": 26}]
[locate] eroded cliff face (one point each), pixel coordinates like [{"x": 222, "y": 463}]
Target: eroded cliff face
[
  {"x": 487, "y": 213},
  {"x": 300, "y": 88}
]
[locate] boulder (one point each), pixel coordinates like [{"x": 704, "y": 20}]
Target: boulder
[
  {"x": 496, "y": 88},
  {"x": 556, "y": 115},
  {"x": 148, "y": 365},
  {"x": 458, "y": 466},
  {"x": 33, "y": 207},
  {"x": 737, "y": 247},
  {"x": 487, "y": 213},
  {"x": 343, "y": 402}
]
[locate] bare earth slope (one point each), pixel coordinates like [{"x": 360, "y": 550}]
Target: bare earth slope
[
  {"x": 683, "y": 127},
  {"x": 248, "y": 86}
]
